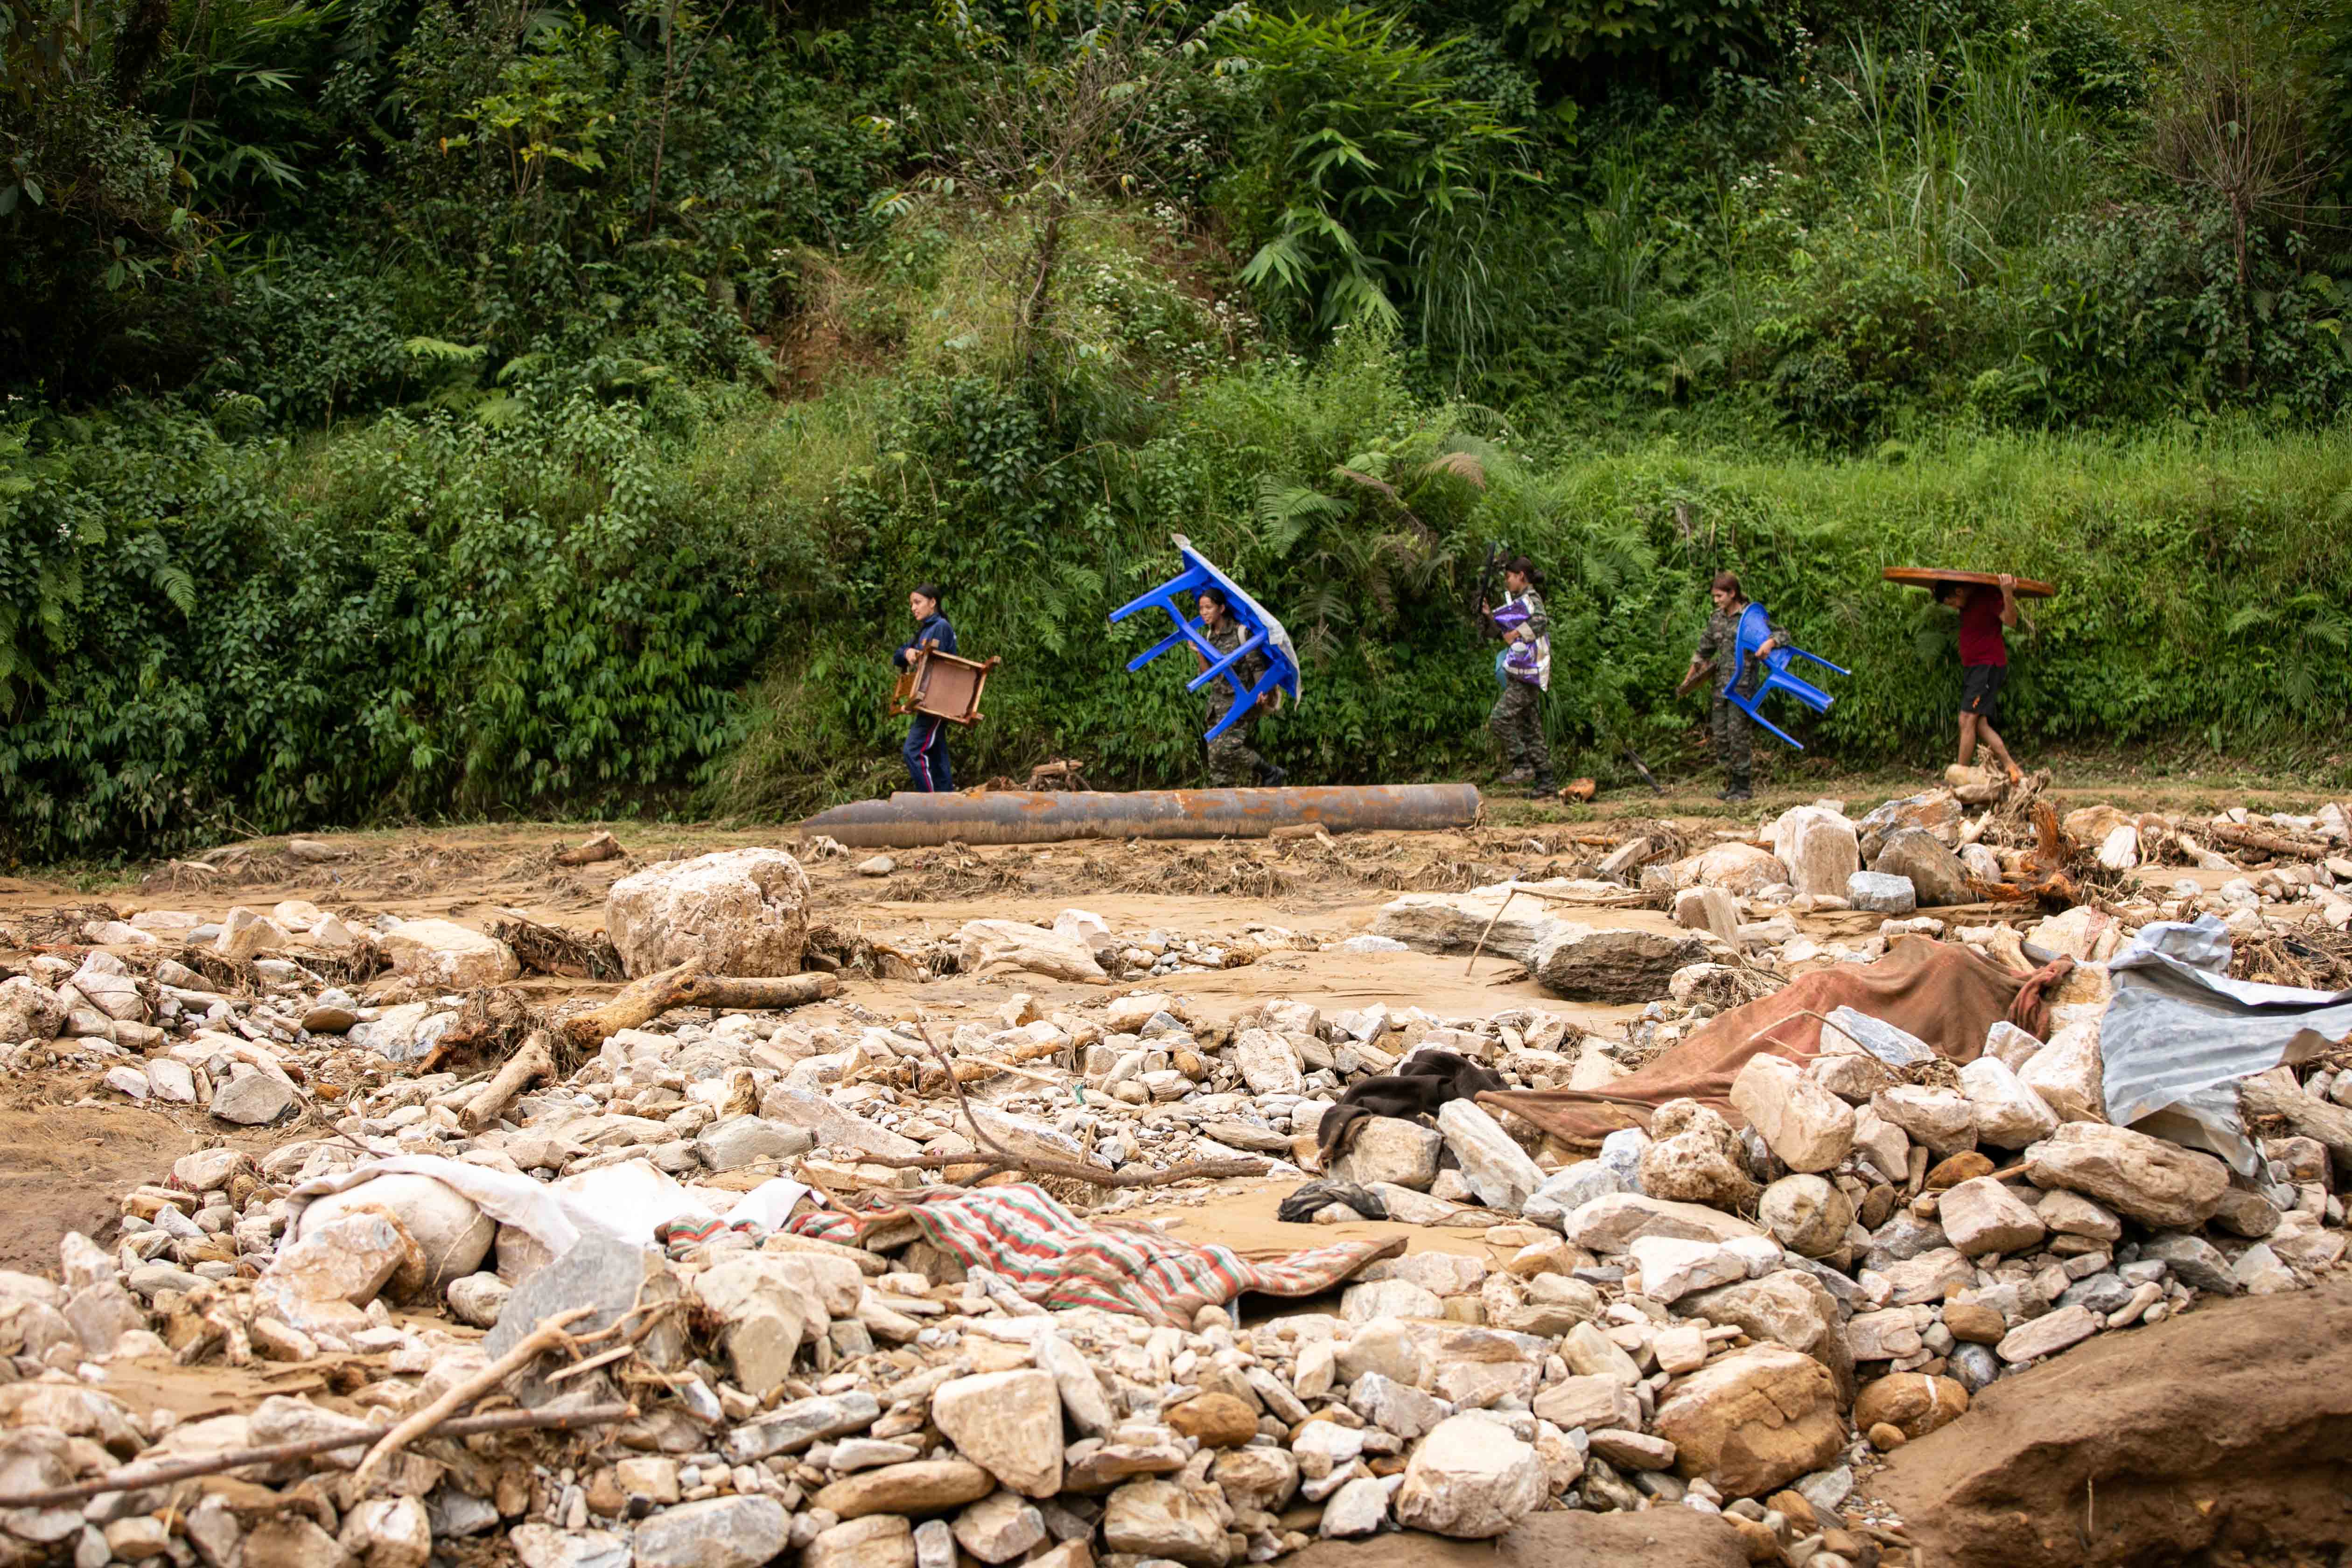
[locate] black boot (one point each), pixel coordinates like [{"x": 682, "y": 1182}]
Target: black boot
[
  {"x": 1269, "y": 777},
  {"x": 1545, "y": 789}
]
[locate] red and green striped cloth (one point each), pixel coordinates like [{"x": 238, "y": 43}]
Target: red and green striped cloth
[{"x": 1058, "y": 1260}]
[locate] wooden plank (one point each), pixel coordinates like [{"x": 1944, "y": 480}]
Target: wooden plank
[{"x": 1927, "y": 577}]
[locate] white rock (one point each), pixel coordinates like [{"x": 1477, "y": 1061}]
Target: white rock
[
  {"x": 1498, "y": 1170},
  {"x": 1009, "y": 946},
  {"x": 2049, "y": 1334},
  {"x": 1470, "y": 1479},
  {"x": 1708, "y": 909},
  {"x": 1943, "y": 1118},
  {"x": 245, "y": 934},
  {"x": 2009, "y": 1115},
  {"x": 1672, "y": 1269},
  {"x": 454, "y": 1235},
  {"x": 1359, "y": 1507},
  {"x": 1809, "y": 1129},
  {"x": 319, "y": 1282},
  {"x": 1391, "y": 1149},
  {"x": 1268, "y": 1063},
  {"x": 1983, "y": 1216},
  {"x": 1009, "y": 1424},
  {"x": 735, "y": 912},
  {"x": 452, "y": 957},
  {"x": 2068, "y": 1074},
  {"x": 1821, "y": 850}
]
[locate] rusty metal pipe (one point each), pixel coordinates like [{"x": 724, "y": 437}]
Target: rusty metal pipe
[{"x": 1044, "y": 817}]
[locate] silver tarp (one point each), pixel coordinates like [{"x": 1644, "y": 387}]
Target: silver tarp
[{"x": 2180, "y": 1032}]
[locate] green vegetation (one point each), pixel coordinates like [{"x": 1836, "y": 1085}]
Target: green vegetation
[{"x": 414, "y": 409}]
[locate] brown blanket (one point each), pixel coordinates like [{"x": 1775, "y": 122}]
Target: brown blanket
[
  {"x": 1944, "y": 993},
  {"x": 1428, "y": 1080}
]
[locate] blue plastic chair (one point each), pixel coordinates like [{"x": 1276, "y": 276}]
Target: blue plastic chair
[
  {"x": 1177, "y": 596},
  {"x": 1754, "y": 626}
]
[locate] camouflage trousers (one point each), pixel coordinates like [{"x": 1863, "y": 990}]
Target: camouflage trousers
[
  {"x": 1516, "y": 722},
  {"x": 1735, "y": 737},
  {"x": 1231, "y": 764}
]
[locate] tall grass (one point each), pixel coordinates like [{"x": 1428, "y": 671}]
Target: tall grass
[{"x": 1967, "y": 158}]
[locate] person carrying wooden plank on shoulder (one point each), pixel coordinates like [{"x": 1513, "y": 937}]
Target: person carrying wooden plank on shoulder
[{"x": 1984, "y": 663}]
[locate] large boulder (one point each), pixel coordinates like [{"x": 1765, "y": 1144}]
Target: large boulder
[
  {"x": 453, "y": 1235},
  {"x": 2148, "y": 1179},
  {"x": 1937, "y": 875},
  {"x": 1498, "y": 1170},
  {"x": 1821, "y": 849},
  {"x": 1809, "y": 1128},
  {"x": 1471, "y": 1478},
  {"x": 1454, "y": 922},
  {"x": 1614, "y": 1221},
  {"x": 28, "y": 1011},
  {"x": 452, "y": 957},
  {"x": 1010, "y": 947},
  {"x": 1612, "y": 964},
  {"x": 1743, "y": 871},
  {"x": 1753, "y": 1421},
  {"x": 2069, "y": 1074},
  {"x": 1806, "y": 1213},
  {"x": 1009, "y": 1423},
  {"x": 1695, "y": 1157},
  {"x": 1788, "y": 1307},
  {"x": 737, "y": 912},
  {"x": 319, "y": 1282}
]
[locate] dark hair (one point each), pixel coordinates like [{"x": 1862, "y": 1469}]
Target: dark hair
[
  {"x": 1524, "y": 567},
  {"x": 931, "y": 590},
  {"x": 1730, "y": 582},
  {"x": 1224, "y": 600}
]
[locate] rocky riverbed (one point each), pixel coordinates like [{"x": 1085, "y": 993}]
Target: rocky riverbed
[{"x": 912, "y": 1276}]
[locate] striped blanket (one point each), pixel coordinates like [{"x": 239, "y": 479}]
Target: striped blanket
[{"x": 1058, "y": 1260}]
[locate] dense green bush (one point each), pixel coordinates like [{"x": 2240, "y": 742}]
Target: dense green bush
[{"x": 420, "y": 617}]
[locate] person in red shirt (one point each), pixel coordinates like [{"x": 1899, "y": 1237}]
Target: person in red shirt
[{"x": 1984, "y": 663}]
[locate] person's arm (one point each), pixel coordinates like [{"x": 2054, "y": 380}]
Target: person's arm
[
  {"x": 1775, "y": 635},
  {"x": 943, "y": 633},
  {"x": 2008, "y": 600},
  {"x": 1539, "y": 621}
]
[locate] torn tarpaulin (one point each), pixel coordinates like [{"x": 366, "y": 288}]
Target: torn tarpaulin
[{"x": 2180, "y": 1032}]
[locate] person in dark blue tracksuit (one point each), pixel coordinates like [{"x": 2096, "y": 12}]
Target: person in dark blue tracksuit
[{"x": 926, "y": 750}]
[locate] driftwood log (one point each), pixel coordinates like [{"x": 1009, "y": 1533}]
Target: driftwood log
[
  {"x": 642, "y": 1001},
  {"x": 597, "y": 846},
  {"x": 534, "y": 1061},
  {"x": 2247, "y": 838},
  {"x": 137, "y": 1476}
]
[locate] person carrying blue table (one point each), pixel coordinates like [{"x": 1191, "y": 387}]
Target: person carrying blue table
[
  {"x": 926, "y": 750},
  {"x": 1734, "y": 736},
  {"x": 1517, "y": 718},
  {"x": 1232, "y": 762}
]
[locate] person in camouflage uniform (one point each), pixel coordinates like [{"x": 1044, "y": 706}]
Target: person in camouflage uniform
[
  {"x": 1233, "y": 764},
  {"x": 1719, "y": 646},
  {"x": 1516, "y": 718}
]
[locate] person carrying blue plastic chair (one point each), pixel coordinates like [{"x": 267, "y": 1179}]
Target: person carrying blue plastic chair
[
  {"x": 1240, "y": 646},
  {"x": 1744, "y": 633}
]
